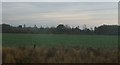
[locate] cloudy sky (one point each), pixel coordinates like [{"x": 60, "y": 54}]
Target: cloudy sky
[
  {"x": 53, "y": 13},
  {"x": 59, "y": 0}
]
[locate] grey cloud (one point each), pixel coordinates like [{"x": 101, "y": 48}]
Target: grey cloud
[{"x": 54, "y": 13}]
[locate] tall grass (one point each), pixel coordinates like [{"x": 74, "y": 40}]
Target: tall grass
[{"x": 59, "y": 55}]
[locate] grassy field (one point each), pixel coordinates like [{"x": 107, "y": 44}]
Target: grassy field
[
  {"x": 54, "y": 48},
  {"x": 54, "y": 40}
]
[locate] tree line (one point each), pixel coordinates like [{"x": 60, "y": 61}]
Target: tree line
[{"x": 62, "y": 29}]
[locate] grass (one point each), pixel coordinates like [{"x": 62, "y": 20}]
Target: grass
[
  {"x": 54, "y": 48},
  {"x": 54, "y": 40},
  {"x": 59, "y": 55}
]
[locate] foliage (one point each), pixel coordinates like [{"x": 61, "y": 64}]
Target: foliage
[{"x": 62, "y": 29}]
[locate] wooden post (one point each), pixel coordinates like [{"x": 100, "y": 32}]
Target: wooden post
[{"x": 34, "y": 46}]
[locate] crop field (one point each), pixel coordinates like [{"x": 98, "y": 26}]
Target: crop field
[
  {"x": 59, "y": 48},
  {"x": 55, "y": 40}
]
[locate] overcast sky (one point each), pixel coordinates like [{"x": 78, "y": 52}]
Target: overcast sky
[
  {"x": 51, "y": 14},
  {"x": 60, "y": 0}
]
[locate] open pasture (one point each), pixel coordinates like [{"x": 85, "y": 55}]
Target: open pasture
[{"x": 56, "y": 40}]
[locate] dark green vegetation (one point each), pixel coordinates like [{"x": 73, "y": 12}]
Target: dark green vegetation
[
  {"x": 62, "y": 29},
  {"x": 59, "y": 40}
]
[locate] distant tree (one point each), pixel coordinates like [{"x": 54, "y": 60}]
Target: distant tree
[
  {"x": 63, "y": 29},
  {"x": 76, "y": 30},
  {"x": 84, "y": 27},
  {"x": 35, "y": 26},
  {"x": 60, "y": 28},
  {"x": 24, "y": 26},
  {"x": 67, "y": 27},
  {"x": 6, "y": 28},
  {"x": 107, "y": 30},
  {"x": 20, "y": 26},
  {"x": 91, "y": 29}
]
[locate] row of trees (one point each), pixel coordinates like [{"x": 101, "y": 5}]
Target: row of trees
[{"x": 62, "y": 29}]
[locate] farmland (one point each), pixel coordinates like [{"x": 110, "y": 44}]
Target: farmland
[
  {"x": 56, "y": 40},
  {"x": 59, "y": 48}
]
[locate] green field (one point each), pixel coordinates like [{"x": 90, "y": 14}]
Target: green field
[{"x": 51, "y": 40}]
